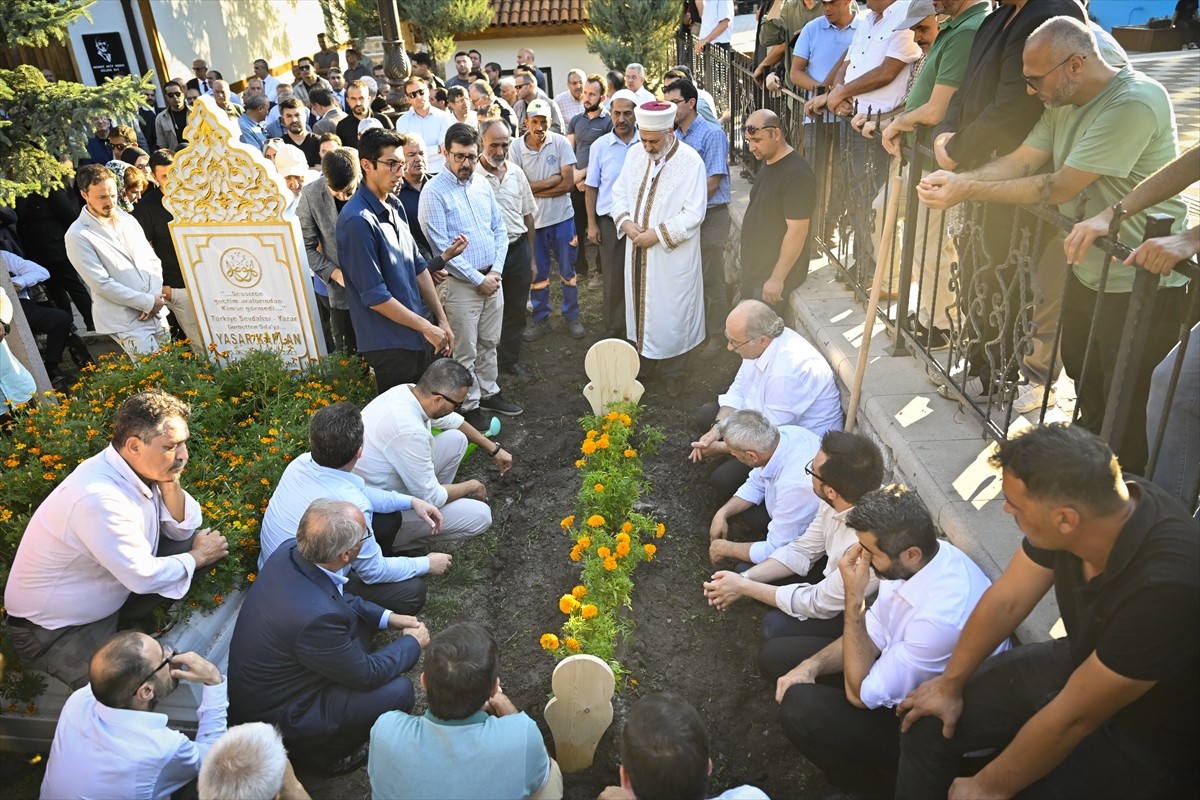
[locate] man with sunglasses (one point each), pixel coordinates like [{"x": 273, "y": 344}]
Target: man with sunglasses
[
  {"x": 170, "y": 122},
  {"x": 401, "y": 454},
  {"x": 427, "y": 122},
  {"x": 110, "y": 742},
  {"x": 309, "y": 80}
]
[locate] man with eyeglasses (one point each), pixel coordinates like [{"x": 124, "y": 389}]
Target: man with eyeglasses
[
  {"x": 401, "y": 454},
  {"x": 455, "y": 205},
  {"x": 262, "y": 71},
  {"x": 110, "y": 742},
  {"x": 251, "y": 122},
  {"x": 358, "y": 108},
  {"x": 423, "y": 120},
  {"x": 388, "y": 286},
  {"x": 527, "y": 91},
  {"x": 309, "y": 80},
  {"x": 301, "y": 658},
  {"x": 1103, "y": 130},
  {"x": 335, "y": 440}
]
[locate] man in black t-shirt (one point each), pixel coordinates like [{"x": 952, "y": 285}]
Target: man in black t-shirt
[
  {"x": 1112, "y": 710},
  {"x": 292, "y": 114},
  {"x": 775, "y": 229}
]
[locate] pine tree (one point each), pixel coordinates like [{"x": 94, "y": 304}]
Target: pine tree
[
  {"x": 622, "y": 32},
  {"x": 442, "y": 22},
  {"x": 42, "y": 123}
]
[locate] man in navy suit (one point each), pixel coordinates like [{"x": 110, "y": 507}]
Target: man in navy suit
[{"x": 300, "y": 657}]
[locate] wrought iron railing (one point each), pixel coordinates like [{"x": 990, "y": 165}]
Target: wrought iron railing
[{"x": 974, "y": 291}]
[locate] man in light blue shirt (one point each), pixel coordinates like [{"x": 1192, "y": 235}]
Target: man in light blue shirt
[
  {"x": 251, "y": 122},
  {"x": 821, "y": 45},
  {"x": 605, "y": 160},
  {"x": 335, "y": 436}
]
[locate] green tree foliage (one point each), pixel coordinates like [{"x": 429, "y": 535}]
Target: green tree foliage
[
  {"x": 441, "y": 22},
  {"x": 42, "y": 123},
  {"x": 622, "y": 32},
  {"x": 362, "y": 20}
]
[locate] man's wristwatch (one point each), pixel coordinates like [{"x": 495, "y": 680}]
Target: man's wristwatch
[{"x": 496, "y": 452}]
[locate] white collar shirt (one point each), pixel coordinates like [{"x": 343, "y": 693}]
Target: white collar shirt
[
  {"x": 877, "y": 38},
  {"x": 92, "y": 541},
  {"x": 916, "y": 623},
  {"x": 827, "y": 535},
  {"x": 605, "y": 161},
  {"x": 785, "y": 490},
  {"x": 118, "y": 752},
  {"x": 303, "y": 481},
  {"x": 790, "y": 384},
  {"x": 513, "y": 195}
]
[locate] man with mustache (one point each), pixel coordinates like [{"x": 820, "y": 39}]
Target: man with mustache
[
  {"x": 117, "y": 533},
  {"x": 358, "y": 108}
]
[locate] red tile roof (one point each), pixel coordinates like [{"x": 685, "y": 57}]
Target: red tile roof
[{"x": 519, "y": 13}]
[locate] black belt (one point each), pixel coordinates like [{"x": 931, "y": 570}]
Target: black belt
[
  {"x": 485, "y": 270},
  {"x": 19, "y": 622}
]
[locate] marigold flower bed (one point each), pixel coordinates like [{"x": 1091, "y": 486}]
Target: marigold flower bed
[
  {"x": 610, "y": 539},
  {"x": 248, "y": 420}
]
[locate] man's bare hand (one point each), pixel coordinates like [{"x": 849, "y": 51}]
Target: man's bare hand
[
  {"x": 855, "y": 567},
  {"x": 719, "y": 528},
  {"x": 503, "y": 461},
  {"x": 476, "y": 490},
  {"x": 802, "y": 673},
  {"x": 720, "y": 548},
  {"x": 208, "y": 547},
  {"x": 724, "y": 589},
  {"x": 941, "y": 154},
  {"x": 439, "y": 563},
  {"x": 593, "y": 233},
  {"x": 337, "y": 277},
  {"x": 457, "y": 246},
  {"x": 430, "y": 513},
  {"x": 1162, "y": 254},
  {"x": 705, "y": 446},
  {"x": 498, "y": 705},
  {"x": 645, "y": 239},
  {"x": 491, "y": 282},
  {"x": 941, "y": 189},
  {"x": 438, "y": 276},
  {"x": 772, "y": 290},
  {"x": 195, "y": 668},
  {"x": 935, "y": 697},
  {"x": 614, "y": 793},
  {"x": 420, "y": 633},
  {"x": 437, "y": 337}
]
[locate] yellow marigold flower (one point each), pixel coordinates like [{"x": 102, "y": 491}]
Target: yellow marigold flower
[
  {"x": 579, "y": 591},
  {"x": 626, "y": 420},
  {"x": 567, "y": 603},
  {"x": 588, "y": 447},
  {"x": 567, "y": 522},
  {"x": 603, "y": 552},
  {"x": 49, "y": 476},
  {"x": 549, "y": 641},
  {"x": 599, "y": 487},
  {"x": 251, "y": 577},
  {"x": 650, "y": 551},
  {"x": 626, "y": 528},
  {"x": 579, "y": 463},
  {"x": 622, "y": 549},
  {"x": 572, "y": 644},
  {"x": 589, "y": 611},
  {"x": 612, "y": 416},
  {"x": 610, "y": 564},
  {"x": 584, "y": 542},
  {"x": 596, "y": 521},
  {"x": 630, "y": 453},
  {"x": 592, "y": 434},
  {"x": 659, "y": 530},
  {"x": 576, "y": 554}
]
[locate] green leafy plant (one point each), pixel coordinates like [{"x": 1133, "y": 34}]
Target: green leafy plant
[{"x": 622, "y": 32}]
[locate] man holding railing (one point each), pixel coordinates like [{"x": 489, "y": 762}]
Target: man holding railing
[{"x": 1103, "y": 131}]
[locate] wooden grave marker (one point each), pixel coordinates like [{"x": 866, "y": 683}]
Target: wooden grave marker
[{"x": 581, "y": 709}]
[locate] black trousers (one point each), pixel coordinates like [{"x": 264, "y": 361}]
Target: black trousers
[
  {"x": 714, "y": 234},
  {"x": 55, "y": 324},
  {"x": 612, "y": 266},
  {"x": 401, "y": 597},
  {"x": 518, "y": 273},
  {"x": 395, "y": 366},
  {"x": 339, "y": 330},
  {"x": 66, "y": 287},
  {"x": 581, "y": 224}
]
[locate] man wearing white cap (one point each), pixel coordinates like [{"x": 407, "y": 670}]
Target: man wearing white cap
[{"x": 658, "y": 204}]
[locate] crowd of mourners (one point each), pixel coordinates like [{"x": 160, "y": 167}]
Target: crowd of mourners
[{"x": 432, "y": 236}]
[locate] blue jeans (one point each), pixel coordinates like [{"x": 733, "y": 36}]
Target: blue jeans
[
  {"x": 1178, "y": 466},
  {"x": 555, "y": 239}
]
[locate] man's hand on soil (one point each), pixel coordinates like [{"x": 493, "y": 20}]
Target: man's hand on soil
[
  {"x": 439, "y": 563},
  {"x": 724, "y": 588},
  {"x": 208, "y": 547},
  {"x": 503, "y": 461},
  {"x": 718, "y": 549}
]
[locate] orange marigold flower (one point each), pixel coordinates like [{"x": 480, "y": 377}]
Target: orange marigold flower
[
  {"x": 589, "y": 611},
  {"x": 251, "y": 577},
  {"x": 610, "y": 564},
  {"x": 579, "y": 591},
  {"x": 567, "y": 603},
  {"x": 584, "y": 542},
  {"x": 630, "y": 453},
  {"x": 602, "y": 443},
  {"x": 572, "y": 644},
  {"x": 603, "y": 552},
  {"x": 626, "y": 420},
  {"x": 218, "y": 599},
  {"x": 599, "y": 487},
  {"x": 622, "y": 549},
  {"x": 49, "y": 476},
  {"x": 567, "y": 522},
  {"x": 580, "y": 463},
  {"x": 576, "y": 554},
  {"x": 623, "y": 537},
  {"x": 596, "y": 521},
  {"x": 627, "y": 527},
  {"x": 588, "y": 447},
  {"x": 592, "y": 434},
  {"x": 650, "y": 551},
  {"x": 612, "y": 416},
  {"x": 549, "y": 641},
  {"x": 659, "y": 530}
]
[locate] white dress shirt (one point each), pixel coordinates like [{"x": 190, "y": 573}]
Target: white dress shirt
[
  {"x": 432, "y": 129},
  {"x": 790, "y": 384},
  {"x": 92, "y": 541},
  {"x": 305, "y": 480},
  {"x": 104, "y": 752},
  {"x": 785, "y": 489},
  {"x": 398, "y": 445},
  {"x": 876, "y": 39},
  {"x": 916, "y": 624},
  {"x": 828, "y": 534},
  {"x": 513, "y": 195},
  {"x": 714, "y": 12}
]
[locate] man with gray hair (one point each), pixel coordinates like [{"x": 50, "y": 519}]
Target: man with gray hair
[
  {"x": 251, "y": 123},
  {"x": 249, "y": 763},
  {"x": 777, "y": 499},
  {"x": 300, "y": 657},
  {"x": 782, "y": 376},
  {"x": 635, "y": 81}
]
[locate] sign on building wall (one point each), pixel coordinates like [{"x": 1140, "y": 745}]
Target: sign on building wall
[
  {"x": 106, "y": 55},
  {"x": 242, "y": 257}
]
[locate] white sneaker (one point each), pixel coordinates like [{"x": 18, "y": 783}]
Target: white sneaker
[
  {"x": 1029, "y": 398},
  {"x": 972, "y": 389}
]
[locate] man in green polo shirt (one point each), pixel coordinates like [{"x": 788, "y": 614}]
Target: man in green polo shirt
[
  {"x": 924, "y": 108},
  {"x": 1104, "y": 130}
]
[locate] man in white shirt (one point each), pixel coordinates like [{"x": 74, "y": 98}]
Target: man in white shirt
[
  {"x": 927, "y": 590},
  {"x": 635, "y": 81},
  {"x": 400, "y": 453},
  {"x": 777, "y": 500},
  {"x": 716, "y": 22},
  {"x": 335, "y": 440},
  {"x": 427, "y": 122},
  {"x": 119, "y": 524},
  {"x": 782, "y": 376},
  {"x": 111, "y": 743},
  {"x": 847, "y": 466}
]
